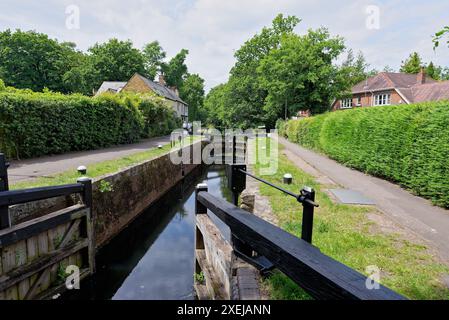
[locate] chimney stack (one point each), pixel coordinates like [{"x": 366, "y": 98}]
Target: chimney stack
[
  {"x": 162, "y": 80},
  {"x": 421, "y": 77}
]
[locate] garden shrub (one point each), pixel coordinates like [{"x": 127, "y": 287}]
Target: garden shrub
[{"x": 408, "y": 144}]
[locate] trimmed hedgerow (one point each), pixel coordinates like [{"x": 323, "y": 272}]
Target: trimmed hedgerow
[
  {"x": 408, "y": 144},
  {"x": 35, "y": 124}
]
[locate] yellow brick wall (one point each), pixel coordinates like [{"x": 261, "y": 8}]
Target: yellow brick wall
[{"x": 136, "y": 84}]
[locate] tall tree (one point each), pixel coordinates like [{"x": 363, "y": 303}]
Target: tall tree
[
  {"x": 444, "y": 73},
  {"x": 215, "y": 111},
  {"x": 176, "y": 70},
  {"x": 356, "y": 68},
  {"x": 192, "y": 92},
  {"x": 114, "y": 60},
  {"x": 78, "y": 74},
  {"x": 32, "y": 60},
  {"x": 154, "y": 56},
  {"x": 246, "y": 96},
  {"x": 413, "y": 64},
  {"x": 433, "y": 71},
  {"x": 300, "y": 73}
]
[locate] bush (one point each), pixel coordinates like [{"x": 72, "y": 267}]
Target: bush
[
  {"x": 281, "y": 126},
  {"x": 408, "y": 144},
  {"x": 159, "y": 119},
  {"x": 35, "y": 124}
]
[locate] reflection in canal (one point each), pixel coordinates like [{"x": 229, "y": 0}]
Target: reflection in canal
[{"x": 154, "y": 257}]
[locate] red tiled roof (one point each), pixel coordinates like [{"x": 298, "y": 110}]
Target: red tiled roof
[
  {"x": 431, "y": 91},
  {"x": 406, "y": 84},
  {"x": 377, "y": 82}
]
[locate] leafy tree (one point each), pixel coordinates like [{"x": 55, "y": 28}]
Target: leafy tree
[
  {"x": 300, "y": 73},
  {"x": 356, "y": 68},
  {"x": 175, "y": 70},
  {"x": 192, "y": 92},
  {"x": 444, "y": 75},
  {"x": 244, "y": 105},
  {"x": 437, "y": 72},
  {"x": 433, "y": 71},
  {"x": 214, "y": 111},
  {"x": 154, "y": 56},
  {"x": 79, "y": 74},
  {"x": 114, "y": 60},
  {"x": 276, "y": 68},
  {"x": 413, "y": 64},
  {"x": 79, "y": 79},
  {"x": 439, "y": 36},
  {"x": 32, "y": 60}
]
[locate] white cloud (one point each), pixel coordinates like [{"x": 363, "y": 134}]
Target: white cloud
[{"x": 212, "y": 29}]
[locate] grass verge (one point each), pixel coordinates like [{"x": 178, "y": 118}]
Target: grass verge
[
  {"x": 98, "y": 169},
  {"x": 345, "y": 233}
]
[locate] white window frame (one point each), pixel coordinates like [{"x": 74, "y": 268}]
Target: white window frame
[
  {"x": 382, "y": 99},
  {"x": 359, "y": 101},
  {"x": 346, "y": 103}
]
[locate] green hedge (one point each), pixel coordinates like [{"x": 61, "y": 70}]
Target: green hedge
[
  {"x": 35, "y": 124},
  {"x": 408, "y": 144}
]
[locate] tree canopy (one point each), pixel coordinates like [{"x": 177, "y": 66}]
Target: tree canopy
[
  {"x": 300, "y": 74},
  {"x": 412, "y": 64},
  {"x": 31, "y": 60},
  {"x": 278, "y": 68},
  {"x": 154, "y": 57},
  {"x": 356, "y": 68},
  {"x": 192, "y": 92},
  {"x": 175, "y": 70},
  {"x": 240, "y": 102}
]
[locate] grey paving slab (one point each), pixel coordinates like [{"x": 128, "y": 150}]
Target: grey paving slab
[{"x": 351, "y": 197}]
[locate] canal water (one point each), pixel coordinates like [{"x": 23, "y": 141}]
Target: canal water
[{"x": 153, "y": 258}]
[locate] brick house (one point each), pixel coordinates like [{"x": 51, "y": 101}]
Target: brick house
[
  {"x": 140, "y": 84},
  {"x": 388, "y": 88}
]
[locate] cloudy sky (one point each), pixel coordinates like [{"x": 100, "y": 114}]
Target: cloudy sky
[{"x": 213, "y": 29}]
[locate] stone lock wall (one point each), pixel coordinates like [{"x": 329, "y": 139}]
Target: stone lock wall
[
  {"x": 118, "y": 198},
  {"x": 127, "y": 193}
]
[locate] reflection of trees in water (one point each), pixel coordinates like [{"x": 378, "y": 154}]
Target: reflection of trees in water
[
  {"x": 227, "y": 194},
  {"x": 181, "y": 214}
]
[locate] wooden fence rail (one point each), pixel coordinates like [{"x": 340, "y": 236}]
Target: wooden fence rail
[{"x": 318, "y": 274}]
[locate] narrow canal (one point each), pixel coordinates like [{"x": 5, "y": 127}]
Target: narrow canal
[{"x": 153, "y": 258}]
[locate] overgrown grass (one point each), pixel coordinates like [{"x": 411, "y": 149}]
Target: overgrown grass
[
  {"x": 99, "y": 169},
  {"x": 346, "y": 234}
]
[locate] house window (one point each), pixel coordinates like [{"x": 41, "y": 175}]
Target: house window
[
  {"x": 346, "y": 103},
  {"x": 359, "y": 101},
  {"x": 382, "y": 99}
]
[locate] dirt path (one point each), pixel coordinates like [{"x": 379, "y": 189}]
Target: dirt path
[
  {"x": 47, "y": 166},
  {"x": 413, "y": 212}
]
